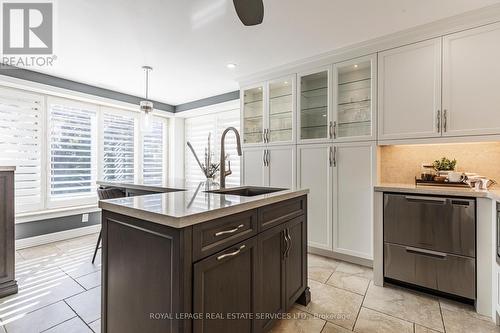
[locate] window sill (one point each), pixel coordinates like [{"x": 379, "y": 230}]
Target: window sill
[{"x": 56, "y": 213}]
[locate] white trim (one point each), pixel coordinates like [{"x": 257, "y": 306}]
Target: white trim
[
  {"x": 55, "y": 213},
  {"x": 210, "y": 109},
  {"x": 56, "y": 236}
]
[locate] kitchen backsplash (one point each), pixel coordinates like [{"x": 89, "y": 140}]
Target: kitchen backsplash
[{"x": 401, "y": 163}]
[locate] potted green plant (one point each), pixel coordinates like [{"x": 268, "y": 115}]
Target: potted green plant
[{"x": 444, "y": 166}]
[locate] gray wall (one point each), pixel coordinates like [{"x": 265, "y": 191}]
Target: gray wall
[{"x": 43, "y": 227}]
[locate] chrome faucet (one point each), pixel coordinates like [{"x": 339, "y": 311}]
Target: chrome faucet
[{"x": 223, "y": 171}]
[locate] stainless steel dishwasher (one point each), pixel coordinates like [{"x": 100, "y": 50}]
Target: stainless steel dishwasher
[{"x": 431, "y": 242}]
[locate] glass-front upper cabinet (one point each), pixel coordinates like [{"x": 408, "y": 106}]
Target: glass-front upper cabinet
[
  {"x": 354, "y": 99},
  {"x": 314, "y": 105},
  {"x": 281, "y": 110},
  {"x": 253, "y": 115}
]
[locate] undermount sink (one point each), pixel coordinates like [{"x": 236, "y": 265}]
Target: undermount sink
[{"x": 247, "y": 191}]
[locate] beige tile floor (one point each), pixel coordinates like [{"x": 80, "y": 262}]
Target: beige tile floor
[{"x": 59, "y": 292}]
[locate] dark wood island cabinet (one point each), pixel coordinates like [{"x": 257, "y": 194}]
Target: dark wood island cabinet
[
  {"x": 235, "y": 273},
  {"x": 8, "y": 284}
]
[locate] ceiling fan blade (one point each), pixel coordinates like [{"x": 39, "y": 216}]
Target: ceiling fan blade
[{"x": 250, "y": 12}]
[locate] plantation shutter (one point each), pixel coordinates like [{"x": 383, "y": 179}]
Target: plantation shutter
[
  {"x": 73, "y": 140},
  {"x": 118, "y": 146},
  {"x": 154, "y": 152},
  {"x": 20, "y": 144}
]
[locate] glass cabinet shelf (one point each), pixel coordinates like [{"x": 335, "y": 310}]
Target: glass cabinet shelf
[
  {"x": 253, "y": 113},
  {"x": 353, "y": 99},
  {"x": 314, "y": 106},
  {"x": 281, "y": 110}
]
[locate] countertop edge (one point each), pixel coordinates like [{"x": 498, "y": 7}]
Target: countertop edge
[
  {"x": 143, "y": 187},
  {"x": 7, "y": 168},
  {"x": 462, "y": 192},
  {"x": 186, "y": 221}
]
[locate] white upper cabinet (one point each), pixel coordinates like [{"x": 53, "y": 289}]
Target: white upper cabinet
[
  {"x": 281, "y": 111},
  {"x": 471, "y": 82},
  {"x": 409, "y": 91},
  {"x": 314, "y": 172},
  {"x": 252, "y": 110},
  {"x": 268, "y": 112},
  {"x": 354, "y": 99},
  {"x": 314, "y": 104}
]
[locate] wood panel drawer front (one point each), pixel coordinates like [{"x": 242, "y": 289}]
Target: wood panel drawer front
[
  {"x": 209, "y": 238},
  {"x": 272, "y": 215}
]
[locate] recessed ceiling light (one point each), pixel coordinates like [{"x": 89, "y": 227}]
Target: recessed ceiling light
[
  {"x": 231, "y": 66},
  {"x": 355, "y": 66},
  {"x": 286, "y": 82}
]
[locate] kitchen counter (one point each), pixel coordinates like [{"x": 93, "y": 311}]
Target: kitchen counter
[
  {"x": 187, "y": 205},
  {"x": 493, "y": 193},
  {"x": 169, "y": 185}
]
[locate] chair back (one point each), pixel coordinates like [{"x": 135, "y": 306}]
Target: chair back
[{"x": 109, "y": 193}]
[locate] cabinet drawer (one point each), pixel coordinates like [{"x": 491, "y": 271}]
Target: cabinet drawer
[
  {"x": 209, "y": 238},
  {"x": 272, "y": 215},
  {"x": 444, "y": 224},
  {"x": 448, "y": 273}
]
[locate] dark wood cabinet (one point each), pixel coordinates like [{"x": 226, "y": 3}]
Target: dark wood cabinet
[
  {"x": 225, "y": 284},
  {"x": 8, "y": 284},
  {"x": 231, "y": 274},
  {"x": 271, "y": 294}
]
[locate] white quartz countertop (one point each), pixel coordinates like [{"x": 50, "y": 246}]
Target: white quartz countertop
[
  {"x": 192, "y": 206},
  {"x": 160, "y": 187},
  {"x": 493, "y": 193}
]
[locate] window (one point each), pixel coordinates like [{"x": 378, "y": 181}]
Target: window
[
  {"x": 196, "y": 132},
  {"x": 154, "y": 153},
  {"x": 72, "y": 152},
  {"x": 20, "y": 144},
  {"x": 118, "y": 146}
]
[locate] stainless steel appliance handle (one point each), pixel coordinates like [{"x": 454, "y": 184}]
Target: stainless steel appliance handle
[
  {"x": 425, "y": 199},
  {"x": 220, "y": 233},
  {"x": 445, "y": 120},
  {"x": 438, "y": 121},
  {"x": 424, "y": 252},
  {"x": 232, "y": 254}
]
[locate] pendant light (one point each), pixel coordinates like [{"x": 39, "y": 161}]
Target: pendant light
[{"x": 146, "y": 106}]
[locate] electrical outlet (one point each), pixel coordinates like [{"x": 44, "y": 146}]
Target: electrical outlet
[{"x": 85, "y": 218}]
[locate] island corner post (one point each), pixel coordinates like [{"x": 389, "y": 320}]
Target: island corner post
[{"x": 204, "y": 277}]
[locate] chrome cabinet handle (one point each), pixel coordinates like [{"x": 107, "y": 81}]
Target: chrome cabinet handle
[
  {"x": 330, "y": 130},
  {"x": 264, "y": 157},
  {"x": 264, "y": 136},
  {"x": 424, "y": 252},
  {"x": 288, "y": 242},
  {"x": 445, "y": 120},
  {"x": 268, "y": 158},
  {"x": 330, "y": 156},
  {"x": 335, "y": 129},
  {"x": 232, "y": 254},
  {"x": 220, "y": 233},
  {"x": 438, "y": 121},
  {"x": 267, "y": 135},
  {"x": 335, "y": 156}
]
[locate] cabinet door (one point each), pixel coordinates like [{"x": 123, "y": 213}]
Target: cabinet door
[
  {"x": 253, "y": 169},
  {"x": 314, "y": 106},
  {"x": 281, "y": 114},
  {"x": 409, "y": 91},
  {"x": 471, "y": 81},
  {"x": 353, "y": 199},
  {"x": 7, "y": 228},
  {"x": 271, "y": 296},
  {"x": 226, "y": 283},
  {"x": 296, "y": 260},
  {"x": 354, "y": 97},
  {"x": 252, "y": 106},
  {"x": 281, "y": 165},
  {"x": 314, "y": 172}
]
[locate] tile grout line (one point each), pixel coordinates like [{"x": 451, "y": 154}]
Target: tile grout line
[
  {"x": 361, "y": 306},
  {"x": 79, "y": 316},
  {"x": 62, "y": 322},
  {"x": 392, "y": 316},
  {"x": 441, "y": 313}
]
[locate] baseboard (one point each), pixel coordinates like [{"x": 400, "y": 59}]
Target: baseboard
[
  {"x": 340, "y": 256},
  {"x": 56, "y": 236}
]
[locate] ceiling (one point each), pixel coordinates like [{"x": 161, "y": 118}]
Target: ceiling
[{"x": 189, "y": 42}]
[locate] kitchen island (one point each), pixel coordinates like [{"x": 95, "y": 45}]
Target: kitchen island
[{"x": 196, "y": 261}]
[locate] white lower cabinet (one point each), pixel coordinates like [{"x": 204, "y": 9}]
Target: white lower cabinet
[
  {"x": 269, "y": 166},
  {"x": 340, "y": 179},
  {"x": 353, "y": 179},
  {"x": 314, "y": 172}
]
